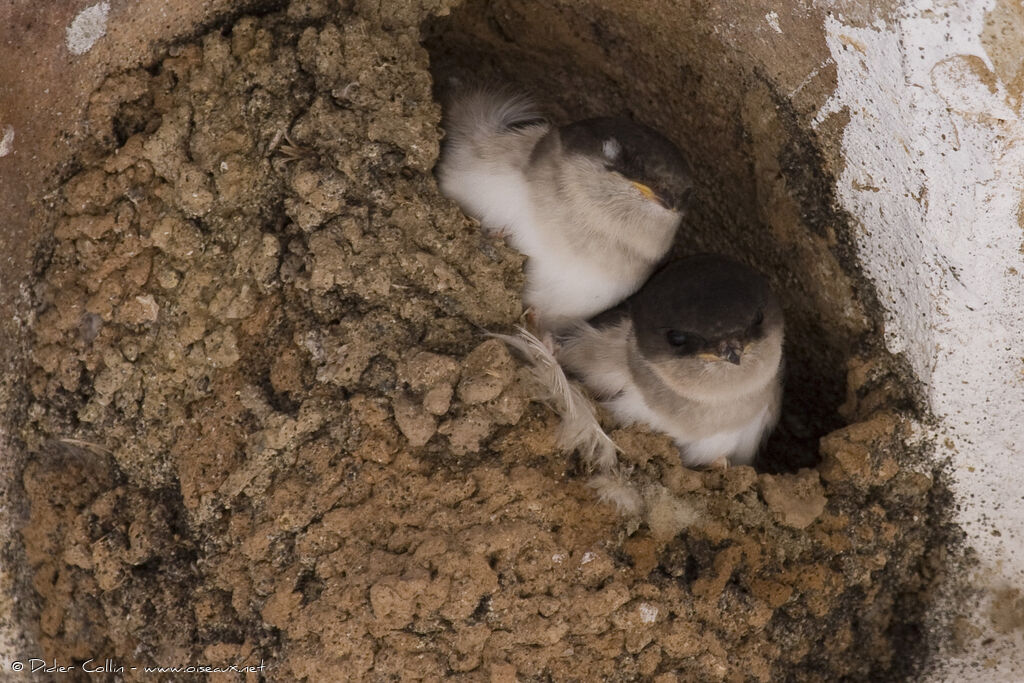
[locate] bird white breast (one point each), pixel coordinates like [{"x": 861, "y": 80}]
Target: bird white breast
[
  {"x": 576, "y": 271},
  {"x": 492, "y": 191},
  {"x": 564, "y": 282},
  {"x": 563, "y": 287},
  {"x": 738, "y": 444}
]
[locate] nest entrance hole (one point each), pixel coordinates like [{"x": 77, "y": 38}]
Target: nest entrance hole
[{"x": 752, "y": 160}]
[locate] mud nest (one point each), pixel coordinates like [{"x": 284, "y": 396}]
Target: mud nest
[{"x": 263, "y": 408}]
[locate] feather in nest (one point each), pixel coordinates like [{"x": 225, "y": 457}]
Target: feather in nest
[{"x": 579, "y": 429}]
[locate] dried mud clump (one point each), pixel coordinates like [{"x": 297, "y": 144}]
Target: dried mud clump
[{"x": 266, "y": 424}]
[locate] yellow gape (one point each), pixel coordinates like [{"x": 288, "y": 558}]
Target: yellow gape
[{"x": 645, "y": 191}]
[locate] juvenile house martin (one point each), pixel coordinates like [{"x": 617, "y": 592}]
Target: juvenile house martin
[
  {"x": 594, "y": 205},
  {"x": 696, "y": 353}
]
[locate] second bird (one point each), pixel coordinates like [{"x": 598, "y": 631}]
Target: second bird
[
  {"x": 594, "y": 205},
  {"x": 696, "y": 354}
]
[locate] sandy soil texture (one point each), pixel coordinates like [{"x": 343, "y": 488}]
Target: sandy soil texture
[{"x": 266, "y": 423}]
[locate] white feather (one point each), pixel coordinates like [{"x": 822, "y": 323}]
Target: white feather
[
  {"x": 482, "y": 163},
  {"x": 477, "y": 116},
  {"x": 617, "y": 489},
  {"x": 580, "y": 429}
]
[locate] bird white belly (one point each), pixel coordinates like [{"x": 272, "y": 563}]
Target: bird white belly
[
  {"x": 563, "y": 285},
  {"x": 494, "y": 194},
  {"x": 738, "y": 445}
]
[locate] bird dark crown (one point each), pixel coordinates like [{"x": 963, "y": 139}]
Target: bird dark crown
[
  {"x": 697, "y": 301},
  {"x": 634, "y": 150}
]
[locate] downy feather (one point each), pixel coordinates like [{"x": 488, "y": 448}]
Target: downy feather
[{"x": 579, "y": 429}]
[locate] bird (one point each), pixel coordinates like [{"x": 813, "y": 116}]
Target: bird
[
  {"x": 696, "y": 353},
  {"x": 594, "y": 205}
]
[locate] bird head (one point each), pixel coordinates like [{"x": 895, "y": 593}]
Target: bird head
[
  {"x": 629, "y": 162},
  {"x": 708, "y": 318}
]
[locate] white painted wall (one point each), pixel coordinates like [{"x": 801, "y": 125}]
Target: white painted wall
[{"x": 934, "y": 174}]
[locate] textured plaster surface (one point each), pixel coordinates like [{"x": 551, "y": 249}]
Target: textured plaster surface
[
  {"x": 934, "y": 152},
  {"x": 89, "y": 26}
]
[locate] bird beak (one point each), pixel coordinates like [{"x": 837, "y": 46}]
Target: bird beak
[
  {"x": 647, "y": 192},
  {"x": 731, "y": 351}
]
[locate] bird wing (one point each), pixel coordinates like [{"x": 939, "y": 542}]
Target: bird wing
[
  {"x": 488, "y": 140},
  {"x": 477, "y": 116},
  {"x": 598, "y": 354}
]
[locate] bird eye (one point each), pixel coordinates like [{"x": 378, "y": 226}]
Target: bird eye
[
  {"x": 755, "y": 330},
  {"x": 611, "y": 148},
  {"x": 685, "y": 343},
  {"x": 677, "y": 338}
]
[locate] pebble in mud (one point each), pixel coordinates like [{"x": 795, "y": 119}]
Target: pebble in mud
[
  {"x": 416, "y": 424},
  {"x": 795, "y": 500},
  {"x": 487, "y": 370}
]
